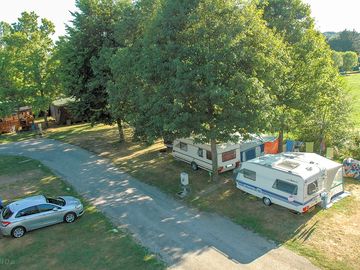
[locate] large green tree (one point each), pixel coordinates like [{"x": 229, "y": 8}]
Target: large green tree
[
  {"x": 312, "y": 77},
  {"x": 26, "y": 67},
  {"x": 12, "y": 94},
  {"x": 207, "y": 70},
  {"x": 290, "y": 19},
  {"x": 125, "y": 88},
  {"x": 85, "y": 54}
]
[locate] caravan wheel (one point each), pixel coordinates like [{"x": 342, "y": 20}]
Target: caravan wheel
[
  {"x": 194, "y": 166},
  {"x": 267, "y": 201}
]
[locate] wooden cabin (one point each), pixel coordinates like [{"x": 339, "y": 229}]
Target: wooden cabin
[
  {"x": 9, "y": 124},
  {"x": 60, "y": 110},
  {"x": 20, "y": 120}
]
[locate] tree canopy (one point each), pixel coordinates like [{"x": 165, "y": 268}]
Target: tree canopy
[
  {"x": 84, "y": 54},
  {"x": 210, "y": 69},
  {"x": 207, "y": 67},
  {"x": 290, "y": 18},
  {"x": 312, "y": 77},
  {"x": 345, "y": 41},
  {"x": 26, "y": 66},
  {"x": 350, "y": 60},
  {"x": 126, "y": 87},
  {"x": 338, "y": 59}
]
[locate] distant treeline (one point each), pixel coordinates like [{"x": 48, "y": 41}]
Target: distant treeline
[{"x": 344, "y": 41}]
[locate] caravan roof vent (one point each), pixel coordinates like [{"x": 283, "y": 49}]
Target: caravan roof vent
[
  {"x": 288, "y": 165},
  {"x": 309, "y": 168},
  {"x": 288, "y": 155}
]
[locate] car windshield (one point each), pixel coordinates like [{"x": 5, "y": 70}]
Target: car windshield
[
  {"x": 7, "y": 213},
  {"x": 58, "y": 201}
]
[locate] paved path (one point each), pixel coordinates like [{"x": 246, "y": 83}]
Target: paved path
[{"x": 184, "y": 238}]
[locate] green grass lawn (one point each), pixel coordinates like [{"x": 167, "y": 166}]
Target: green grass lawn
[
  {"x": 89, "y": 243},
  {"x": 353, "y": 82}
]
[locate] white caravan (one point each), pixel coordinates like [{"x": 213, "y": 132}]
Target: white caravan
[
  {"x": 199, "y": 155},
  {"x": 297, "y": 181}
]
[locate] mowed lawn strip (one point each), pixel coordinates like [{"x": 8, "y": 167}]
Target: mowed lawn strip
[
  {"x": 89, "y": 243},
  {"x": 353, "y": 83},
  {"x": 16, "y": 137},
  {"x": 330, "y": 239}
]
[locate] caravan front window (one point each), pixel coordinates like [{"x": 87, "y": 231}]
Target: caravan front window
[
  {"x": 285, "y": 187},
  {"x": 313, "y": 187},
  {"x": 249, "y": 174}
]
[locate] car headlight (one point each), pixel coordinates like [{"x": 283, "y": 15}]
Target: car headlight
[{"x": 78, "y": 206}]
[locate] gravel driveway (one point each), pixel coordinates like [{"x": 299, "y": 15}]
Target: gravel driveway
[{"x": 184, "y": 238}]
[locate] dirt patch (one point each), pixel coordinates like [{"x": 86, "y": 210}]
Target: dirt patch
[{"x": 9, "y": 179}]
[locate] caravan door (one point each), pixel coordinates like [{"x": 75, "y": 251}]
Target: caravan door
[
  {"x": 312, "y": 189},
  {"x": 337, "y": 186}
]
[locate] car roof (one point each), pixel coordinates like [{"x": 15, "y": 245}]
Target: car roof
[{"x": 27, "y": 202}]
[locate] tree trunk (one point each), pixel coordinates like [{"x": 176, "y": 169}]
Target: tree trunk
[
  {"x": 281, "y": 139},
  {"x": 120, "y": 129},
  {"x": 322, "y": 141},
  {"x": 46, "y": 122},
  {"x": 215, "y": 172}
]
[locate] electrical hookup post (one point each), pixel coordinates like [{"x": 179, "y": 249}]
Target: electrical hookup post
[
  {"x": 40, "y": 130},
  {"x": 184, "y": 185},
  {"x": 211, "y": 177}
]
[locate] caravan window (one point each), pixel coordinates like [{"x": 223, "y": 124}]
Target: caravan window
[
  {"x": 312, "y": 187},
  {"x": 200, "y": 152},
  {"x": 229, "y": 155},
  {"x": 183, "y": 146},
  {"x": 208, "y": 155},
  {"x": 285, "y": 187},
  {"x": 249, "y": 174}
]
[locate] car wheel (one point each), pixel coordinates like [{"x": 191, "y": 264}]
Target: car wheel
[
  {"x": 18, "y": 232},
  {"x": 70, "y": 217},
  {"x": 267, "y": 201},
  {"x": 194, "y": 166}
]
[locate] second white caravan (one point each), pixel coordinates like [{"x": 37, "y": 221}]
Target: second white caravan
[{"x": 199, "y": 155}]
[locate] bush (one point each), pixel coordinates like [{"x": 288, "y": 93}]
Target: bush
[{"x": 351, "y": 148}]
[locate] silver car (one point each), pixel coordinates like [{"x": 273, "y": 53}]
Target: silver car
[{"x": 36, "y": 212}]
